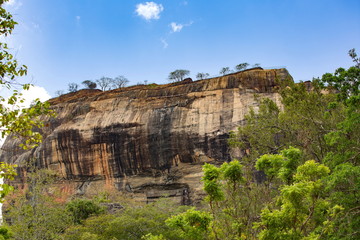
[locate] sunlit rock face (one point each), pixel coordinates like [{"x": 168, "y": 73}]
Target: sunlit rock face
[{"x": 149, "y": 140}]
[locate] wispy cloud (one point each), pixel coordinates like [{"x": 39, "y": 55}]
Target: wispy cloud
[
  {"x": 164, "y": 42},
  {"x": 35, "y": 26},
  {"x": 177, "y": 27},
  {"x": 77, "y": 20},
  {"x": 149, "y": 10}
]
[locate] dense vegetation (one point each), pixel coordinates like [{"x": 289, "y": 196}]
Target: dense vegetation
[{"x": 298, "y": 176}]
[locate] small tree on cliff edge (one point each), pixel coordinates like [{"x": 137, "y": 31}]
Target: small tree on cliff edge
[
  {"x": 225, "y": 70},
  {"x": 89, "y": 84},
  {"x": 73, "y": 87},
  {"x": 120, "y": 82},
  {"x": 202, "y": 76},
  {"x": 178, "y": 75},
  {"x": 241, "y": 66},
  {"x": 105, "y": 83}
]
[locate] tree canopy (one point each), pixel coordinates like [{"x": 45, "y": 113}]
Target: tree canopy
[{"x": 178, "y": 75}]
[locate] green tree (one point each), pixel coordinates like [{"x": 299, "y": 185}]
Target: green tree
[
  {"x": 35, "y": 214},
  {"x": 178, "y": 75},
  {"x": 201, "y": 76},
  {"x": 89, "y": 84},
  {"x": 81, "y": 209},
  {"x": 224, "y": 71},
  {"x": 234, "y": 201},
  {"x": 14, "y": 120},
  {"x": 303, "y": 211},
  {"x": 132, "y": 223},
  {"x": 191, "y": 224},
  {"x": 73, "y": 87},
  {"x": 322, "y": 120},
  {"x": 241, "y": 66}
]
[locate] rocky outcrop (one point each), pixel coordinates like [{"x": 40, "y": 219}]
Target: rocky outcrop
[{"x": 149, "y": 140}]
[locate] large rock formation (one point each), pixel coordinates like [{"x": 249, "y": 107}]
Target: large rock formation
[{"x": 149, "y": 139}]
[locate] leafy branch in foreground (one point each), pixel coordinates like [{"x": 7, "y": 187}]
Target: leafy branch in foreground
[{"x": 15, "y": 120}]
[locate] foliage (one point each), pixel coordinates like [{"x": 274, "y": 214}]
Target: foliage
[
  {"x": 35, "y": 214},
  {"x": 224, "y": 71},
  {"x": 241, "y": 66},
  {"x": 192, "y": 224},
  {"x": 81, "y": 209},
  {"x": 72, "y": 87},
  {"x": 149, "y": 236},
  {"x": 201, "y": 76},
  {"x": 346, "y": 82},
  {"x": 234, "y": 200},
  {"x": 132, "y": 223},
  {"x": 354, "y": 57},
  {"x": 5, "y": 233},
  {"x": 281, "y": 165},
  {"x": 14, "y": 119},
  {"x": 303, "y": 209},
  {"x": 89, "y": 84},
  {"x": 7, "y": 171},
  {"x": 318, "y": 199},
  {"x": 178, "y": 75}
]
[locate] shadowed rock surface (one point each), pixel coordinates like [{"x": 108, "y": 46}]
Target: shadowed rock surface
[{"x": 148, "y": 140}]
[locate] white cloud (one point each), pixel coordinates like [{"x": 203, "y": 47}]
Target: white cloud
[
  {"x": 176, "y": 27},
  {"x": 164, "y": 42},
  {"x": 149, "y": 10},
  {"x": 33, "y": 93}
]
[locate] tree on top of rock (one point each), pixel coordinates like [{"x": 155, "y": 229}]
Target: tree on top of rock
[
  {"x": 178, "y": 75},
  {"x": 89, "y": 84}
]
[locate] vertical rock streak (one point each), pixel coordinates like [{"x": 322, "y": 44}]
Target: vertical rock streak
[{"x": 136, "y": 130}]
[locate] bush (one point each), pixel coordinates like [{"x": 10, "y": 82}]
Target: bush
[{"x": 81, "y": 209}]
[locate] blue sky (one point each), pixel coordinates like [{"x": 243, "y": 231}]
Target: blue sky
[{"x": 63, "y": 41}]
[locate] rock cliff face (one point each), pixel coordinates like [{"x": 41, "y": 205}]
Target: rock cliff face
[{"x": 149, "y": 140}]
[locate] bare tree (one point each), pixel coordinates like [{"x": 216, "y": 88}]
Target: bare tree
[
  {"x": 89, "y": 84},
  {"x": 256, "y": 65},
  {"x": 120, "y": 82},
  {"x": 201, "y": 76},
  {"x": 225, "y": 70},
  {"x": 58, "y": 93},
  {"x": 178, "y": 75},
  {"x": 73, "y": 87},
  {"x": 105, "y": 83},
  {"x": 241, "y": 66}
]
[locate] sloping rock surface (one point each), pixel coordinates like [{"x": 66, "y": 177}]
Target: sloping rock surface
[{"x": 150, "y": 139}]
